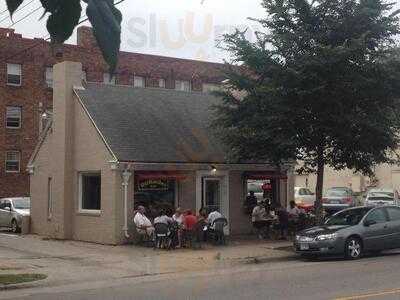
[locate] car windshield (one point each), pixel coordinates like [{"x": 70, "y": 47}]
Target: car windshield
[
  {"x": 349, "y": 217},
  {"x": 254, "y": 188},
  {"x": 22, "y": 203},
  {"x": 305, "y": 192},
  {"x": 381, "y": 196},
  {"x": 337, "y": 193}
]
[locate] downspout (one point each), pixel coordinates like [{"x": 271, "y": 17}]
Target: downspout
[{"x": 125, "y": 182}]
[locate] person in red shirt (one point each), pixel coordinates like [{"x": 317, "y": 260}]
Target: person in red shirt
[{"x": 190, "y": 220}]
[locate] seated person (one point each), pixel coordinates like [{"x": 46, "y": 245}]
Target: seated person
[
  {"x": 261, "y": 219},
  {"x": 190, "y": 220},
  {"x": 142, "y": 223},
  {"x": 294, "y": 211},
  {"x": 178, "y": 216},
  {"x": 163, "y": 218},
  {"x": 212, "y": 217}
]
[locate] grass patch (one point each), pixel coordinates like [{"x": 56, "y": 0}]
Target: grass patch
[{"x": 6, "y": 279}]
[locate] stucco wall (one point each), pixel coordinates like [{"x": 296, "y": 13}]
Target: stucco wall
[
  {"x": 240, "y": 222},
  {"x": 90, "y": 154},
  {"x": 40, "y": 224}
]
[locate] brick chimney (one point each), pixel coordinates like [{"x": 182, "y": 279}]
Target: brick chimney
[{"x": 85, "y": 37}]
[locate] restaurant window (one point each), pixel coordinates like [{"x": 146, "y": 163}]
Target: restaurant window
[
  {"x": 108, "y": 80},
  {"x": 155, "y": 194},
  {"x": 49, "y": 197},
  {"x": 13, "y": 117},
  {"x": 182, "y": 85},
  {"x": 14, "y": 74},
  {"x": 161, "y": 83},
  {"x": 211, "y": 194},
  {"x": 49, "y": 77},
  {"x": 139, "y": 81},
  {"x": 13, "y": 161},
  {"x": 90, "y": 191}
]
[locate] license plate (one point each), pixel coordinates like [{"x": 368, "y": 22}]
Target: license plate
[
  {"x": 334, "y": 202},
  {"x": 304, "y": 246}
]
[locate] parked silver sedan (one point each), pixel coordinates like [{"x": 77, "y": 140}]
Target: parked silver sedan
[
  {"x": 353, "y": 232},
  {"x": 12, "y": 210}
]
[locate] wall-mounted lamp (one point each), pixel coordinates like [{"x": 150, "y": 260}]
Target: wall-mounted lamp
[{"x": 213, "y": 169}]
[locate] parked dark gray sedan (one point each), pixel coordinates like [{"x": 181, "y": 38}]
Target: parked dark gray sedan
[{"x": 352, "y": 232}]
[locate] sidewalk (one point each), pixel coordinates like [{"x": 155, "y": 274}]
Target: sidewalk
[{"x": 67, "y": 262}]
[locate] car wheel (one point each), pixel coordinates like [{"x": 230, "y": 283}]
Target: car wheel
[
  {"x": 353, "y": 248},
  {"x": 14, "y": 226}
]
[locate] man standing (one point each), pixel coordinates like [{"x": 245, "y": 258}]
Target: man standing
[{"x": 250, "y": 202}]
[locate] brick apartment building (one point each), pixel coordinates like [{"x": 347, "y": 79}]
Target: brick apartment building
[{"x": 26, "y": 90}]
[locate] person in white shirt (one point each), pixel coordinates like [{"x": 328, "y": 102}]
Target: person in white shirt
[
  {"x": 212, "y": 217},
  {"x": 163, "y": 218},
  {"x": 178, "y": 216},
  {"x": 294, "y": 211},
  {"x": 142, "y": 223}
]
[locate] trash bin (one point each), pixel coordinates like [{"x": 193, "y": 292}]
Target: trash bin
[{"x": 25, "y": 224}]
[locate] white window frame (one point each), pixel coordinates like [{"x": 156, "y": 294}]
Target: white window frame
[
  {"x": 80, "y": 209},
  {"x": 107, "y": 80},
  {"x": 49, "y": 77},
  {"x": 20, "y": 117},
  {"x": 9, "y": 72},
  {"x": 162, "y": 83},
  {"x": 180, "y": 85},
  {"x": 137, "y": 79},
  {"x": 49, "y": 198},
  {"x": 19, "y": 161}
]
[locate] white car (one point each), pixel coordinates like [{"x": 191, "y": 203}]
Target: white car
[
  {"x": 304, "y": 198},
  {"x": 377, "y": 197},
  {"x": 12, "y": 210}
]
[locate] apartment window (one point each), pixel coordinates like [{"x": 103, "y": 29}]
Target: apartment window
[
  {"x": 161, "y": 83},
  {"x": 211, "y": 87},
  {"x": 139, "y": 81},
  {"x": 14, "y": 74},
  {"x": 90, "y": 191},
  {"x": 107, "y": 79},
  {"x": 13, "y": 161},
  {"x": 49, "y": 197},
  {"x": 182, "y": 85},
  {"x": 49, "y": 77},
  {"x": 13, "y": 117}
]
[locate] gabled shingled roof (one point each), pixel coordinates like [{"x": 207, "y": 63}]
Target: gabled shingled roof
[{"x": 154, "y": 125}]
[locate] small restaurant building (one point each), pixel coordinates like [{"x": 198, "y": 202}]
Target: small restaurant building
[{"x": 111, "y": 148}]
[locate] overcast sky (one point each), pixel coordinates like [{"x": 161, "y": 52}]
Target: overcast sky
[{"x": 179, "y": 28}]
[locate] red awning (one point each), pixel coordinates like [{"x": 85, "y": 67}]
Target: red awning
[
  {"x": 143, "y": 175},
  {"x": 265, "y": 175}
]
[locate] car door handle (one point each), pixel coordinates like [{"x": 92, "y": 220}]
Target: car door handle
[{"x": 385, "y": 226}]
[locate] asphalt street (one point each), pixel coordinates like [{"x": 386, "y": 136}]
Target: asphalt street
[{"x": 374, "y": 277}]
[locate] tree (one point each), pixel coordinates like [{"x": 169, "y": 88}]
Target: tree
[
  {"x": 64, "y": 17},
  {"x": 320, "y": 86}
]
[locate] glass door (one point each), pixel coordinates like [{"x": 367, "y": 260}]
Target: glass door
[{"x": 212, "y": 194}]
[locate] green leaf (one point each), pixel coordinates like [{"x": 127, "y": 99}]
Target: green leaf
[
  {"x": 106, "y": 21},
  {"x": 63, "y": 19},
  {"x": 13, "y": 5}
]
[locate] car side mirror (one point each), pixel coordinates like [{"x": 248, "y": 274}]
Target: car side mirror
[
  {"x": 368, "y": 223},
  {"x": 8, "y": 208}
]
